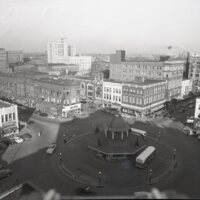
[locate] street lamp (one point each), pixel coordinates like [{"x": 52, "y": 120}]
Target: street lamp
[
  {"x": 174, "y": 154},
  {"x": 100, "y": 179},
  {"x": 150, "y": 175},
  {"x": 159, "y": 134},
  {"x": 60, "y": 157}
]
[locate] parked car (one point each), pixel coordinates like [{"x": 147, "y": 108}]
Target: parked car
[
  {"x": 43, "y": 114},
  {"x": 190, "y": 120},
  {"x": 187, "y": 130},
  {"x": 5, "y": 173},
  {"x": 17, "y": 139},
  {"x": 26, "y": 136},
  {"x": 87, "y": 190},
  {"x": 191, "y": 106},
  {"x": 51, "y": 148}
]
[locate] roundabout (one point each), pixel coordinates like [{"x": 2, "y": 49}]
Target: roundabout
[{"x": 111, "y": 152}]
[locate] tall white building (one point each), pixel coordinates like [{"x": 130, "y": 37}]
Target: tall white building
[
  {"x": 57, "y": 51},
  {"x": 60, "y": 52}
]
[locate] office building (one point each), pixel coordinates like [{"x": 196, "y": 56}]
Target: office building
[
  {"x": 194, "y": 70},
  {"x": 62, "y": 53},
  {"x": 119, "y": 56},
  {"x": 172, "y": 71}
]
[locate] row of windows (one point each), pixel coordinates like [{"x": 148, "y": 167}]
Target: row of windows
[
  {"x": 8, "y": 117},
  {"x": 136, "y": 100},
  {"x": 109, "y": 97},
  {"x": 114, "y": 90}
]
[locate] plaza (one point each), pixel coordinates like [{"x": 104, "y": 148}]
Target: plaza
[{"x": 81, "y": 165}]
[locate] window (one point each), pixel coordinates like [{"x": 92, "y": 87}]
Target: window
[
  {"x": 2, "y": 119},
  {"x": 10, "y": 117},
  {"x": 6, "y": 118}
]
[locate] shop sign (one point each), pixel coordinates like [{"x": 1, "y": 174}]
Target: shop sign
[{"x": 9, "y": 125}]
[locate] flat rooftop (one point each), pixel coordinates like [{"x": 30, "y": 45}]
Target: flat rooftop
[
  {"x": 4, "y": 104},
  {"x": 145, "y": 82},
  {"x": 60, "y": 82}
]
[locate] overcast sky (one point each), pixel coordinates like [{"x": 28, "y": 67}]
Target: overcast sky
[{"x": 101, "y": 26}]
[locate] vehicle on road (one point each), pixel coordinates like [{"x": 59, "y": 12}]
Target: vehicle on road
[
  {"x": 145, "y": 157},
  {"x": 126, "y": 115},
  {"x": 139, "y": 132},
  {"x": 51, "y": 148},
  {"x": 87, "y": 190},
  {"x": 190, "y": 120},
  {"x": 26, "y": 136},
  {"x": 17, "y": 139},
  {"x": 5, "y": 173},
  {"x": 43, "y": 114},
  {"x": 191, "y": 106},
  {"x": 187, "y": 130}
]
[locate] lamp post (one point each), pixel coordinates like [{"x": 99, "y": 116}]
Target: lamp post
[
  {"x": 150, "y": 175},
  {"x": 60, "y": 158},
  {"x": 100, "y": 179},
  {"x": 174, "y": 154},
  {"x": 159, "y": 134}
]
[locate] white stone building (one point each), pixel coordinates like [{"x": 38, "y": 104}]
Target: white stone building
[
  {"x": 8, "y": 118},
  {"x": 186, "y": 87},
  {"x": 112, "y": 93}
]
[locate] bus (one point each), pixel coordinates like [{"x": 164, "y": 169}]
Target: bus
[
  {"x": 139, "y": 132},
  {"x": 145, "y": 157}
]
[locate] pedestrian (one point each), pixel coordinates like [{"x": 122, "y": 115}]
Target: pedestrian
[{"x": 60, "y": 157}]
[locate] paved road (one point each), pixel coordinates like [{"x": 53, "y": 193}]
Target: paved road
[{"x": 43, "y": 171}]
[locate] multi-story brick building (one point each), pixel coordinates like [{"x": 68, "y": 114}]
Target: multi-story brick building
[
  {"x": 48, "y": 95},
  {"x": 143, "y": 98},
  {"x": 172, "y": 71}
]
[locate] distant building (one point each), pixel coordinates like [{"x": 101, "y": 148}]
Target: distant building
[
  {"x": 57, "y": 51},
  {"x": 15, "y": 57},
  {"x": 186, "y": 67},
  {"x": 3, "y": 59},
  {"x": 62, "y": 53},
  {"x": 8, "y": 118},
  {"x": 71, "y": 51},
  {"x": 194, "y": 70},
  {"x": 119, "y": 56}
]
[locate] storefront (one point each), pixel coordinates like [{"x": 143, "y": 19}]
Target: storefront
[
  {"x": 127, "y": 111},
  {"x": 71, "y": 111}
]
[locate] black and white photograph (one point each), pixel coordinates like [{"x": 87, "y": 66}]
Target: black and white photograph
[{"x": 99, "y": 99}]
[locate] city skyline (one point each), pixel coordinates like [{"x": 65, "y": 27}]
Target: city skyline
[{"x": 101, "y": 26}]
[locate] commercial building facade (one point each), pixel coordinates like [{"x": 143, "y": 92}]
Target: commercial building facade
[
  {"x": 8, "y": 119},
  {"x": 171, "y": 71},
  {"x": 144, "y": 98},
  {"x": 46, "y": 95},
  {"x": 186, "y": 87},
  {"x": 194, "y": 70}
]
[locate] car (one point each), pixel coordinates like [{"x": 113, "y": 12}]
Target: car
[
  {"x": 17, "y": 139},
  {"x": 43, "y": 114},
  {"x": 26, "y": 136},
  {"x": 191, "y": 106},
  {"x": 190, "y": 120},
  {"x": 86, "y": 190},
  {"x": 5, "y": 173},
  {"x": 51, "y": 148},
  {"x": 187, "y": 130}
]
